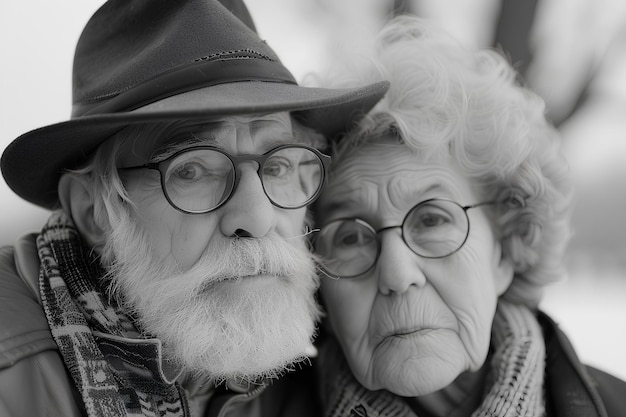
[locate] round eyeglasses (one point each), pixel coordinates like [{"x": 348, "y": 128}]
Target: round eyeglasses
[
  {"x": 200, "y": 179},
  {"x": 434, "y": 228}
]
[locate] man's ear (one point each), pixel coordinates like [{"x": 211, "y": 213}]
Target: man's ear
[{"x": 77, "y": 199}]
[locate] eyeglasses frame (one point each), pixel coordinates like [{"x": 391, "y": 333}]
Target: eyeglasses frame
[
  {"x": 401, "y": 227},
  {"x": 236, "y": 160}
]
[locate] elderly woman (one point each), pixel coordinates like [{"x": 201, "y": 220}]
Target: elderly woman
[{"x": 445, "y": 216}]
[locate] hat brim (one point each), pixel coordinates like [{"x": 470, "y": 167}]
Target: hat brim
[{"x": 33, "y": 163}]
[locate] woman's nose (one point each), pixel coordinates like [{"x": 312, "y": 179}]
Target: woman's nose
[
  {"x": 248, "y": 212},
  {"x": 398, "y": 267}
]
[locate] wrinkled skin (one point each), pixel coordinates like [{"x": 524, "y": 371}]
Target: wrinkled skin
[
  {"x": 183, "y": 238},
  {"x": 411, "y": 325}
]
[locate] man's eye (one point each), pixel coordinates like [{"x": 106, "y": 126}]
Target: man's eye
[
  {"x": 276, "y": 167},
  {"x": 189, "y": 171},
  {"x": 348, "y": 239}
]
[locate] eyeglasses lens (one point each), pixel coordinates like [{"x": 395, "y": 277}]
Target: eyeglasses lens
[
  {"x": 435, "y": 228},
  {"x": 198, "y": 180},
  {"x": 348, "y": 247},
  {"x": 292, "y": 176}
]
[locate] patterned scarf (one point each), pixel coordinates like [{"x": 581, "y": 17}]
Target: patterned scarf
[
  {"x": 516, "y": 375},
  {"x": 88, "y": 326}
]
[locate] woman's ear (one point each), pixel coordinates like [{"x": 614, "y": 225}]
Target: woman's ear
[
  {"x": 77, "y": 199},
  {"x": 505, "y": 271}
]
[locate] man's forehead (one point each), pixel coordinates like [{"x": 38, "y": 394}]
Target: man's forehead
[
  {"x": 218, "y": 132},
  {"x": 268, "y": 130},
  {"x": 272, "y": 119}
]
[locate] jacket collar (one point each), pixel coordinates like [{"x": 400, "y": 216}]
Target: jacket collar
[{"x": 570, "y": 389}]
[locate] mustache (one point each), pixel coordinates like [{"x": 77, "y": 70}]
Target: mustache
[{"x": 235, "y": 259}]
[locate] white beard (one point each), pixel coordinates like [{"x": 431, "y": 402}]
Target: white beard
[{"x": 214, "y": 319}]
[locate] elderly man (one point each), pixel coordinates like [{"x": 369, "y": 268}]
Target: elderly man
[{"x": 172, "y": 278}]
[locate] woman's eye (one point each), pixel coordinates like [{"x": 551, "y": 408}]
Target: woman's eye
[
  {"x": 354, "y": 238},
  {"x": 431, "y": 220}
]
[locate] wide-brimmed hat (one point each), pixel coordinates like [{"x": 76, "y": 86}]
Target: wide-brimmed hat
[{"x": 155, "y": 60}]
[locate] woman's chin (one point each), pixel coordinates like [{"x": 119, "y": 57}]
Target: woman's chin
[
  {"x": 418, "y": 365},
  {"x": 418, "y": 382}
]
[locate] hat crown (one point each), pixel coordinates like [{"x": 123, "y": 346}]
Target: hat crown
[{"x": 172, "y": 45}]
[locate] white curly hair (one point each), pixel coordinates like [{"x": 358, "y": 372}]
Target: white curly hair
[{"x": 447, "y": 99}]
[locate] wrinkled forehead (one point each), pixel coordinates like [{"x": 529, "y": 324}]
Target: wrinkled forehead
[
  {"x": 141, "y": 144},
  {"x": 388, "y": 176}
]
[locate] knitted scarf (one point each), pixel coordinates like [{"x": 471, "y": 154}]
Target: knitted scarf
[
  {"x": 85, "y": 324},
  {"x": 516, "y": 375}
]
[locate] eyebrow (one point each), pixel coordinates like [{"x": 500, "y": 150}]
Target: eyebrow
[
  {"x": 209, "y": 137},
  {"x": 181, "y": 144},
  {"x": 347, "y": 205},
  {"x": 436, "y": 188},
  {"x": 283, "y": 139}
]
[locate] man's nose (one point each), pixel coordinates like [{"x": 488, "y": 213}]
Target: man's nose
[
  {"x": 249, "y": 212},
  {"x": 398, "y": 267}
]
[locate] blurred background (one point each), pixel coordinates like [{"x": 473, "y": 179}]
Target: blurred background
[{"x": 572, "y": 52}]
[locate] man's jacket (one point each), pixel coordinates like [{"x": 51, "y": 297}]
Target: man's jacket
[{"x": 34, "y": 381}]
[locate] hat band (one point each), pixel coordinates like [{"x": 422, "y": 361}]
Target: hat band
[{"x": 180, "y": 80}]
